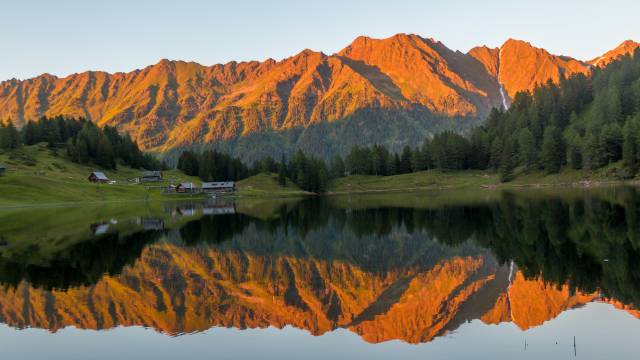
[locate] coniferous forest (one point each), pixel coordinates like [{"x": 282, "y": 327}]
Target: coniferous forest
[{"x": 85, "y": 142}]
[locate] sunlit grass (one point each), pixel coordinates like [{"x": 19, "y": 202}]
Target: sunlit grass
[{"x": 38, "y": 175}]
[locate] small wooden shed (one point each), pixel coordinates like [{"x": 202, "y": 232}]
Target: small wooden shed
[
  {"x": 151, "y": 176},
  {"x": 98, "y": 177},
  {"x": 186, "y": 188}
]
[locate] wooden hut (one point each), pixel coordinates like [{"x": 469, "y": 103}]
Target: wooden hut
[
  {"x": 218, "y": 187},
  {"x": 98, "y": 177},
  {"x": 151, "y": 176},
  {"x": 189, "y": 188}
]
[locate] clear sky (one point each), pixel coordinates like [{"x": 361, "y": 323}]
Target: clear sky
[{"x": 66, "y": 36}]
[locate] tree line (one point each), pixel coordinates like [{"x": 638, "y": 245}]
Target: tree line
[
  {"x": 581, "y": 122},
  {"x": 85, "y": 142},
  {"x": 212, "y": 165}
]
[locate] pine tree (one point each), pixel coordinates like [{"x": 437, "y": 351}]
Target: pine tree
[
  {"x": 527, "y": 148},
  {"x": 507, "y": 163},
  {"x": 188, "y": 163},
  {"x": 611, "y": 141},
  {"x": 496, "y": 153},
  {"x": 4, "y": 139},
  {"x": 421, "y": 157},
  {"x": 397, "y": 164},
  {"x": 405, "y": 161},
  {"x": 480, "y": 149},
  {"x": 552, "y": 149},
  {"x": 53, "y": 134},
  {"x": 13, "y": 137},
  {"x": 104, "y": 154},
  {"x": 590, "y": 152},
  {"x": 574, "y": 151},
  {"x": 282, "y": 172},
  {"x": 336, "y": 167},
  {"x": 630, "y": 133},
  {"x": 30, "y": 133}
]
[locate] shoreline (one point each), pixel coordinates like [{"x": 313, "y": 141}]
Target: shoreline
[{"x": 239, "y": 196}]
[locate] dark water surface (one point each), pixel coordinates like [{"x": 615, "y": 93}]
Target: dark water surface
[{"x": 475, "y": 275}]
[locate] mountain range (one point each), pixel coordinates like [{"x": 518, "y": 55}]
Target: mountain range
[{"x": 393, "y": 91}]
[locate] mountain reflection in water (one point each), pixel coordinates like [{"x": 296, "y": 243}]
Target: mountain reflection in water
[{"x": 380, "y": 270}]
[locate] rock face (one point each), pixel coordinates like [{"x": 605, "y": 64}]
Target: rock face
[
  {"x": 179, "y": 290},
  {"x": 175, "y": 103},
  {"x": 523, "y": 66},
  {"x": 627, "y": 47}
]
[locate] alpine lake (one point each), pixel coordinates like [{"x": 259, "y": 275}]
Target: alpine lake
[{"x": 484, "y": 274}]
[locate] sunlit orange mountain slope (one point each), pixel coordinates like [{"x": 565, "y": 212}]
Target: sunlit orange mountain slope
[
  {"x": 175, "y": 103},
  {"x": 627, "y": 47}
]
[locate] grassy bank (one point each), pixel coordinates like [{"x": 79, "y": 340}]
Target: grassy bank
[
  {"x": 38, "y": 175},
  {"x": 423, "y": 180},
  {"x": 265, "y": 185},
  {"x": 473, "y": 179}
]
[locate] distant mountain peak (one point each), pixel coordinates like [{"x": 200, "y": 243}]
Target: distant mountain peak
[
  {"x": 524, "y": 66},
  {"x": 626, "y": 47}
]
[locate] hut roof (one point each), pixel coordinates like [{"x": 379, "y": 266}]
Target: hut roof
[
  {"x": 218, "y": 185},
  {"x": 100, "y": 175},
  {"x": 186, "y": 185}
]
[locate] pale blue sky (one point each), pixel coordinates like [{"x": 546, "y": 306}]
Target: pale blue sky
[{"x": 67, "y": 36}]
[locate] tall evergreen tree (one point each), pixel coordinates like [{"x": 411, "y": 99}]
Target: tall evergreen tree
[
  {"x": 282, "y": 172},
  {"x": 336, "y": 167},
  {"x": 527, "y": 147},
  {"x": 507, "y": 163},
  {"x": 405, "y": 161},
  {"x": 552, "y": 149}
]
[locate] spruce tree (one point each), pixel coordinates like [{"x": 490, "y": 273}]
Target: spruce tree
[
  {"x": 405, "y": 160},
  {"x": 527, "y": 147},
  {"x": 282, "y": 172},
  {"x": 13, "y": 137},
  {"x": 630, "y": 133},
  {"x": 574, "y": 151},
  {"x": 552, "y": 149},
  {"x": 507, "y": 163},
  {"x": 336, "y": 167},
  {"x": 30, "y": 133}
]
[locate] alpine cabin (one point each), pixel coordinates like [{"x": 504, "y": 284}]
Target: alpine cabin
[
  {"x": 98, "y": 177},
  {"x": 151, "y": 176},
  {"x": 218, "y": 187},
  {"x": 186, "y": 188}
]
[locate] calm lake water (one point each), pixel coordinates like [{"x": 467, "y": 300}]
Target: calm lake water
[{"x": 551, "y": 274}]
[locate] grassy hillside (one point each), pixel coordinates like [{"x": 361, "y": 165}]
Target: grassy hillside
[
  {"x": 423, "y": 180},
  {"x": 472, "y": 179},
  {"x": 266, "y": 184},
  {"x": 38, "y": 175}
]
